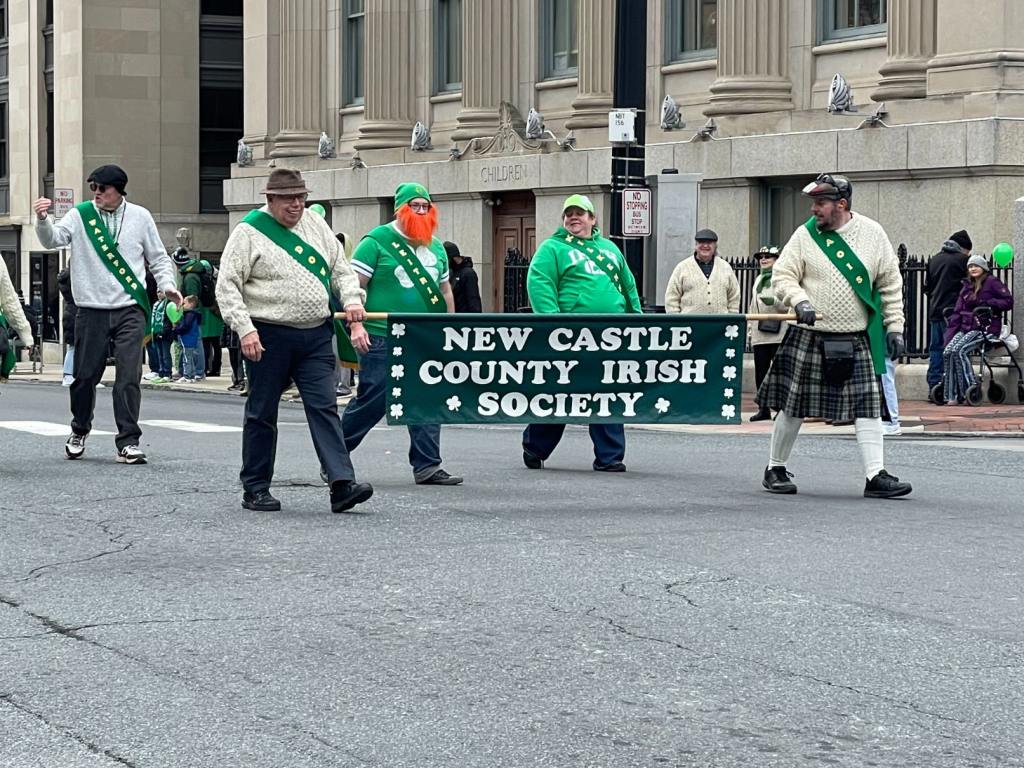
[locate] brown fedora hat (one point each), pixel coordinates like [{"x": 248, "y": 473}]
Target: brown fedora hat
[{"x": 284, "y": 181}]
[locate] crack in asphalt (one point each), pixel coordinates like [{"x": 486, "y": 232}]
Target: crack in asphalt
[
  {"x": 321, "y": 740},
  {"x": 64, "y": 730},
  {"x": 105, "y": 526},
  {"x": 900, "y": 703}
]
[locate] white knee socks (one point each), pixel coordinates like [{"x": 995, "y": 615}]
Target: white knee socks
[
  {"x": 869, "y": 440},
  {"x": 784, "y": 435}
]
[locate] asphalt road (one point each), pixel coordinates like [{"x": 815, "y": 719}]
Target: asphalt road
[{"x": 672, "y": 616}]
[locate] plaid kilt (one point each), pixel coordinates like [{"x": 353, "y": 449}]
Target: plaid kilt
[{"x": 795, "y": 382}]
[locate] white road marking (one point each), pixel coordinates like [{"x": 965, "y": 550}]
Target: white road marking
[
  {"x": 187, "y": 426},
  {"x": 44, "y": 428}
]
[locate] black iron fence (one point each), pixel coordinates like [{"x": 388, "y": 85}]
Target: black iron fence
[{"x": 913, "y": 268}]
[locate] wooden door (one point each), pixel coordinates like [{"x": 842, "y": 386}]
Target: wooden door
[{"x": 511, "y": 232}]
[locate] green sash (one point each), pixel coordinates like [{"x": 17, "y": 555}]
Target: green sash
[
  {"x": 308, "y": 256},
  {"x": 9, "y": 360},
  {"x": 852, "y": 268},
  {"x": 611, "y": 266},
  {"x": 106, "y": 249},
  {"x": 405, "y": 254}
]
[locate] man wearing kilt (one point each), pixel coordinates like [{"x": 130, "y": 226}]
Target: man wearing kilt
[{"x": 843, "y": 266}]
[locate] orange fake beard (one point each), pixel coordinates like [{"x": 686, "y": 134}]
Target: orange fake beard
[{"x": 419, "y": 228}]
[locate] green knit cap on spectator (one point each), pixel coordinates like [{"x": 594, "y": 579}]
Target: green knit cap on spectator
[
  {"x": 578, "y": 201},
  {"x": 410, "y": 191}
]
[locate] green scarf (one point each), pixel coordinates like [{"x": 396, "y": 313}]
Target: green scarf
[{"x": 765, "y": 281}]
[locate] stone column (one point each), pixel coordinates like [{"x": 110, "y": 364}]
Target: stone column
[
  {"x": 911, "y": 29},
  {"x": 593, "y": 100},
  {"x": 390, "y": 78},
  {"x": 490, "y": 65},
  {"x": 301, "y": 24},
  {"x": 753, "y": 49},
  {"x": 978, "y": 49}
]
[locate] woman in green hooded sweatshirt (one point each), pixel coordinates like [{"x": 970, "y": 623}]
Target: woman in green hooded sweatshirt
[{"x": 765, "y": 335}]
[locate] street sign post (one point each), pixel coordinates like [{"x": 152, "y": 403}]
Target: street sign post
[
  {"x": 636, "y": 212},
  {"x": 63, "y": 201}
]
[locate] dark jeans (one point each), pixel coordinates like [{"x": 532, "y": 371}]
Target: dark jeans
[
  {"x": 212, "y": 356},
  {"x": 609, "y": 441},
  {"x": 936, "y": 330},
  {"x": 95, "y": 330},
  {"x": 237, "y": 369},
  {"x": 367, "y": 408},
  {"x": 161, "y": 356},
  {"x": 307, "y": 357}
]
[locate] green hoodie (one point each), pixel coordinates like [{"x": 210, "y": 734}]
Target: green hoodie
[
  {"x": 191, "y": 285},
  {"x": 562, "y": 277}
]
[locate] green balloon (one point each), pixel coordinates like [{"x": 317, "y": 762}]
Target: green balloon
[
  {"x": 318, "y": 209},
  {"x": 1002, "y": 254},
  {"x": 173, "y": 313}
]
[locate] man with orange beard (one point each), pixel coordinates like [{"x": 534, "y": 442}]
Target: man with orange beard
[{"x": 384, "y": 261}]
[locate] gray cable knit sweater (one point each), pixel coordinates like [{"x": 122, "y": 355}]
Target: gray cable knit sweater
[{"x": 92, "y": 283}]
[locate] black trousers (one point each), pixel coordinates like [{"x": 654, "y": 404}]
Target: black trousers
[
  {"x": 212, "y": 353},
  {"x": 763, "y": 354},
  {"x": 307, "y": 357},
  {"x": 95, "y": 331}
]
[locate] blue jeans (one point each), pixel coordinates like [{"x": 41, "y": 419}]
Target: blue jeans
[
  {"x": 161, "y": 364},
  {"x": 192, "y": 362},
  {"x": 609, "y": 441},
  {"x": 368, "y": 406},
  {"x": 936, "y": 330}
]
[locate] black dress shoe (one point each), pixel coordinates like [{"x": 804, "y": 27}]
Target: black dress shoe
[
  {"x": 885, "y": 486},
  {"x": 763, "y": 415},
  {"x": 531, "y": 461},
  {"x": 260, "y": 501},
  {"x": 615, "y": 466},
  {"x": 345, "y": 494},
  {"x": 776, "y": 480}
]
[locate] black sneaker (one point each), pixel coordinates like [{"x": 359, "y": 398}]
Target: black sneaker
[
  {"x": 615, "y": 466},
  {"x": 531, "y": 461},
  {"x": 75, "y": 446},
  {"x": 440, "y": 477},
  {"x": 885, "y": 486},
  {"x": 776, "y": 480},
  {"x": 345, "y": 494},
  {"x": 260, "y": 501}
]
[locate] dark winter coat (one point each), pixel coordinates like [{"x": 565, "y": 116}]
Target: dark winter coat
[
  {"x": 67, "y": 319},
  {"x": 946, "y": 272},
  {"x": 992, "y": 294},
  {"x": 465, "y": 286}
]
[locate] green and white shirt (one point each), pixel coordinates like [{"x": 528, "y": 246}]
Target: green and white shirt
[{"x": 390, "y": 289}]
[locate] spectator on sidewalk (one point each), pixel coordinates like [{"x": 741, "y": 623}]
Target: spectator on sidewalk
[
  {"x": 188, "y": 332},
  {"x": 765, "y": 335},
  {"x": 160, "y": 344},
  {"x": 12, "y": 316},
  {"x": 890, "y": 402},
  {"x": 943, "y": 281},
  {"x": 465, "y": 282},
  {"x": 966, "y": 331},
  {"x": 67, "y": 322},
  {"x": 704, "y": 283}
]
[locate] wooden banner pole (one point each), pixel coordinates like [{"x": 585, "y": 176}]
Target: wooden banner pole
[{"x": 752, "y": 316}]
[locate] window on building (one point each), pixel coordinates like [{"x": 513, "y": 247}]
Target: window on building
[
  {"x": 5, "y": 191},
  {"x": 449, "y": 45},
  {"x": 692, "y": 29},
  {"x": 355, "y": 32},
  {"x": 221, "y": 103},
  {"x": 3, "y": 19},
  {"x": 559, "y": 38},
  {"x": 853, "y": 18}
]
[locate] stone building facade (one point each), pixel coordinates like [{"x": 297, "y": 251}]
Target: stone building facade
[{"x": 945, "y": 155}]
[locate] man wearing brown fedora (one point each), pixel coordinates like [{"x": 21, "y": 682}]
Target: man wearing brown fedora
[{"x": 279, "y": 273}]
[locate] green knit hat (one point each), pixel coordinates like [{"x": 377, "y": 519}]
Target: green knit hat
[{"x": 410, "y": 190}]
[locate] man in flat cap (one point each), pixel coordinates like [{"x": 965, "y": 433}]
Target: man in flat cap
[
  {"x": 703, "y": 283},
  {"x": 842, "y": 265},
  {"x": 388, "y": 260},
  {"x": 113, "y": 242},
  {"x": 279, "y": 275}
]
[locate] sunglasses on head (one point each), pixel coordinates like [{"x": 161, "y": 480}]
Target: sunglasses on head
[
  {"x": 101, "y": 188},
  {"x": 841, "y": 185}
]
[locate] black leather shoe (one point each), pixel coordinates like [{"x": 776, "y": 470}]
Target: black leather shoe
[
  {"x": 776, "y": 480},
  {"x": 260, "y": 501},
  {"x": 440, "y": 477},
  {"x": 345, "y": 494},
  {"x": 885, "y": 486},
  {"x": 531, "y": 461},
  {"x": 763, "y": 415},
  {"x": 615, "y": 466}
]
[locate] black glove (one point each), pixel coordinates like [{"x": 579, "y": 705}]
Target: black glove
[
  {"x": 895, "y": 344},
  {"x": 805, "y": 313}
]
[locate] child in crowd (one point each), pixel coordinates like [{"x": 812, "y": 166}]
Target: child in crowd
[{"x": 187, "y": 330}]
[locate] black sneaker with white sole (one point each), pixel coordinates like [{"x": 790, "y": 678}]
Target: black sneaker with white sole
[
  {"x": 75, "y": 446},
  {"x": 131, "y": 454}
]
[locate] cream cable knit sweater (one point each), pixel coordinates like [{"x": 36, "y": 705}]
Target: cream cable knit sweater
[
  {"x": 690, "y": 292},
  {"x": 10, "y": 304},
  {"x": 804, "y": 273},
  {"x": 260, "y": 281}
]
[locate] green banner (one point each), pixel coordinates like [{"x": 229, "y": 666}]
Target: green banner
[{"x": 625, "y": 369}]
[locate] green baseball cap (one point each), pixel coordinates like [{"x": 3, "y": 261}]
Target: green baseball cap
[
  {"x": 578, "y": 201},
  {"x": 410, "y": 190}
]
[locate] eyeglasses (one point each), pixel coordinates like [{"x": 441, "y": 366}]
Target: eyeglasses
[
  {"x": 101, "y": 188},
  {"x": 300, "y": 198},
  {"x": 420, "y": 207}
]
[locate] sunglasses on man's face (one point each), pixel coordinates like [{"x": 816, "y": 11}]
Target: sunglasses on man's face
[{"x": 101, "y": 188}]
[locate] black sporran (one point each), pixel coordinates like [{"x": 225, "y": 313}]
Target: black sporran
[{"x": 838, "y": 359}]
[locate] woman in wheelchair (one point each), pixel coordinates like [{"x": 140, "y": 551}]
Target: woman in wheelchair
[{"x": 975, "y": 320}]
